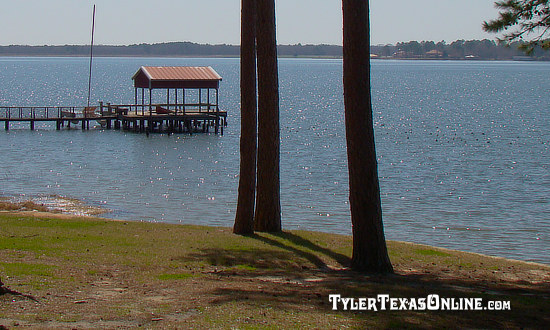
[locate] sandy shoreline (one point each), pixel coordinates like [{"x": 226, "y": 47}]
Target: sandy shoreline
[{"x": 53, "y": 204}]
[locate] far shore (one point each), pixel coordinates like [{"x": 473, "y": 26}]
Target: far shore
[
  {"x": 63, "y": 271},
  {"x": 320, "y": 57},
  {"x": 458, "y": 50}
]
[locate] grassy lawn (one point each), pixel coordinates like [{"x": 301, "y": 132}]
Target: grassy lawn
[{"x": 70, "y": 272}]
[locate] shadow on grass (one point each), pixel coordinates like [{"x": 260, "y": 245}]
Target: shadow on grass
[
  {"x": 5, "y": 291},
  {"x": 343, "y": 260},
  {"x": 293, "y": 275},
  {"x": 299, "y": 241},
  {"x": 293, "y": 253}
]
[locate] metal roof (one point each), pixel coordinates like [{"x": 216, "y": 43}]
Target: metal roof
[{"x": 176, "y": 76}]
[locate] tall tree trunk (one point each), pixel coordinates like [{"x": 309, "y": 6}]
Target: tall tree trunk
[
  {"x": 268, "y": 204},
  {"x": 244, "y": 218},
  {"x": 369, "y": 245}
]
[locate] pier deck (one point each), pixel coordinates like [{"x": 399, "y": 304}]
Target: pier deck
[{"x": 177, "y": 118}]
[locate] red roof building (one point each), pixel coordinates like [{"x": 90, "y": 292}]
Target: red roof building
[
  {"x": 182, "y": 84},
  {"x": 152, "y": 77}
]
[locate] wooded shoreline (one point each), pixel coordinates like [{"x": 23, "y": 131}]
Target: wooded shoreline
[{"x": 457, "y": 50}]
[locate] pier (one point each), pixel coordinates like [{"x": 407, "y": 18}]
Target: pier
[
  {"x": 174, "y": 118},
  {"x": 197, "y": 109}
]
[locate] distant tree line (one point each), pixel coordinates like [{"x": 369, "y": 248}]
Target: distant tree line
[
  {"x": 457, "y": 50},
  {"x": 161, "y": 49},
  {"x": 164, "y": 49}
]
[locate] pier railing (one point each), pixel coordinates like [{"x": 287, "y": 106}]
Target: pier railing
[
  {"x": 104, "y": 110},
  {"x": 157, "y": 109},
  {"x": 46, "y": 113}
]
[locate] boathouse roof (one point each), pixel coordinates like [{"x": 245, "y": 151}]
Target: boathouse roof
[{"x": 152, "y": 77}]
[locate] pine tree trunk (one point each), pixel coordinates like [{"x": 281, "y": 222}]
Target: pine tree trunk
[
  {"x": 268, "y": 205},
  {"x": 244, "y": 218},
  {"x": 369, "y": 245}
]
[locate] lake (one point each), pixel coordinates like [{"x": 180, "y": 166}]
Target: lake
[{"x": 463, "y": 150}]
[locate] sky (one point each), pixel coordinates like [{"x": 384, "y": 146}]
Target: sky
[{"x": 125, "y": 22}]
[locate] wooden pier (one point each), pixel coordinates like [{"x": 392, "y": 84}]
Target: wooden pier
[
  {"x": 144, "y": 115},
  {"x": 173, "y": 118}
]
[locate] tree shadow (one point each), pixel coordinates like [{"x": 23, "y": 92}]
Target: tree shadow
[
  {"x": 264, "y": 260},
  {"x": 296, "y": 276},
  {"x": 5, "y": 291},
  {"x": 342, "y": 259},
  {"x": 307, "y": 244},
  {"x": 301, "y": 254}
]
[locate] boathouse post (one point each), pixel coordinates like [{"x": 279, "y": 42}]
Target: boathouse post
[
  {"x": 200, "y": 99},
  {"x": 150, "y": 101},
  {"x": 208, "y": 99},
  {"x": 217, "y": 113},
  {"x": 142, "y": 101},
  {"x": 183, "y": 100},
  {"x": 176, "y": 100}
]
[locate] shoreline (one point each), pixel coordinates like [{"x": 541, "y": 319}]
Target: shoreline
[
  {"x": 93, "y": 212},
  {"x": 57, "y": 214},
  {"x": 496, "y": 258},
  {"x": 65, "y": 271}
]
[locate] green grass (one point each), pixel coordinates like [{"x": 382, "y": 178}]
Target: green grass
[
  {"x": 23, "y": 269},
  {"x": 246, "y": 267},
  {"x": 224, "y": 280},
  {"x": 430, "y": 252}
]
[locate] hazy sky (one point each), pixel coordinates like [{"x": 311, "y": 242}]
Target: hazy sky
[{"x": 60, "y": 22}]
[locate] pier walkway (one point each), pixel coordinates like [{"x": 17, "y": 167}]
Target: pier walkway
[{"x": 177, "y": 118}]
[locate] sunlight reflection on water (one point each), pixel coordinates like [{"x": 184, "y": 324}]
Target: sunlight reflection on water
[{"x": 462, "y": 150}]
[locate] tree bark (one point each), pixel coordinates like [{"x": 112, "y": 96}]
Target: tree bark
[
  {"x": 369, "y": 245},
  {"x": 268, "y": 205},
  {"x": 244, "y": 218}
]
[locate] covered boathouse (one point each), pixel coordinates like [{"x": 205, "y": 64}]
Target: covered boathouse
[{"x": 175, "y": 98}]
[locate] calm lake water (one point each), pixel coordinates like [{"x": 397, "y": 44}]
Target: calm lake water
[{"x": 463, "y": 150}]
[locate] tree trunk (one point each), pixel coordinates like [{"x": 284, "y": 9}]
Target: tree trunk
[
  {"x": 244, "y": 218},
  {"x": 268, "y": 205},
  {"x": 369, "y": 245}
]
